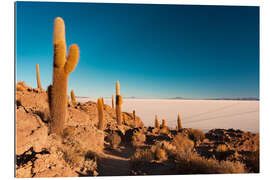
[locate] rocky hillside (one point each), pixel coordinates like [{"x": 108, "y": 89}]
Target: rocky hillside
[{"x": 130, "y": 149}]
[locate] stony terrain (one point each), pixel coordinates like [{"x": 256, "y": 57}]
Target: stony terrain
[{"x": 130, "y": 149}]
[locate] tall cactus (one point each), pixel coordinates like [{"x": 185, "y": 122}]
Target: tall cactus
[
  {"x": 38, "y": 78},
  {"x": 100, "y": 114},
  {"x": 102, "y": 101},
  {"x": 62, "y": 67},
  {"x": 134, "y": 115},
  {"x": 163, "y": 123},
  {"x": 156, "y": 121},
  {"x": 179, "y": 123},
  {"x": 112, "y": 102},
  {"x": 119, "y": 102},
  {"x": 73, "y": 98}
]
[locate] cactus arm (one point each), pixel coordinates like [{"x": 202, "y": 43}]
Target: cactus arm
[{"x": 73, "y": 58}]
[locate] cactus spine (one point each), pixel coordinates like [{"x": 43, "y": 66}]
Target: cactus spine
[
  {"x": 73, "y": 99},
  {"x": 38, "y": 78},
  {"x": 112, "y": 102},
  {"x": 62, "y": 67},
  {"x": 100, "y": 114},
  {"x": 134, "y": 115},
  {"x": 179, "y": 123},
  {"x": 156, "y": 121},
  {"x": 118, "y": 104}
]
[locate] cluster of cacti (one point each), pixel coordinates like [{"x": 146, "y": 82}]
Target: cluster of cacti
[
  {"x": 100, "y": 114},
  {"x": 118, "y": 104},
  {"x": 62, "y": 67},
  {"x": 38, "y": 78},
  {"x": 179, "y": 123},
  {"x": 156, "y": 121},
  {"x": 112, "y": 102},
  {"x": 163, "y": 125},
  {"x": 73, "y": 98}
]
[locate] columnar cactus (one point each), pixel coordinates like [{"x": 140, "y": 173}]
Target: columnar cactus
[
  {"x": 100, "y": 114},
  {"x": 156, "y": 121},
  {"x": 112, "y": 102},
  {"x": 179, "y": 123},
  {"x": 73, "y": 98},
  {"x": 102, "y": 101},
  {"x": 38, "y": 78},
  {"x": 62, "y": 67},
  {"x": 134, "y": 115},
  {"x": 118, "y": 104},
  {"x": 163, "y": 123}
]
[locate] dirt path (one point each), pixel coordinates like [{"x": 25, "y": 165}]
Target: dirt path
[{"x": 115, "y": 162}]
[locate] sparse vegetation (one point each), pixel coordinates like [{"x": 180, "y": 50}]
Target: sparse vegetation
[{"x": 72, "y": 137}]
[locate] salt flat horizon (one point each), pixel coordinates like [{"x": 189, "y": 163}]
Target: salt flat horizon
[{"x": 198, "y": 114}]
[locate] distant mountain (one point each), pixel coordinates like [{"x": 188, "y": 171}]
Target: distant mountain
[{"x": 242, "y": 99}]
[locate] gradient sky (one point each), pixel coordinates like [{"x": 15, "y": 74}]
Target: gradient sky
[{"x": 155, "y": 51}]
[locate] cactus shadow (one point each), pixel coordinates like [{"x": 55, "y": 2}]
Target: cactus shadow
[{"x": 123, "y": 152}]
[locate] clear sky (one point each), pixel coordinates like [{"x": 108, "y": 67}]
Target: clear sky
[{"x": 155, "y": 51}]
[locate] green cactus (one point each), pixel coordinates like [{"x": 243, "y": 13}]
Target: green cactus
[
  {"x": 100, "y": 114},
  {"x": 38, "y": 78},
  {"x": 119, "y": 102},
  {"x": 62, "y": 67},
  {"x": 179, "y": 123},
  {"x": 73, "y": 98}
]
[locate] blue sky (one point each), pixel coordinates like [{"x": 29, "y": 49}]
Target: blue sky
[{"x": 155, "y": 51}]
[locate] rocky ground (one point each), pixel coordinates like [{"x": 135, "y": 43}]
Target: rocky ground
[{"x": 130, "y": 149}]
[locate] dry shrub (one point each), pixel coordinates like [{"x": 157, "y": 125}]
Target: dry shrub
[
  {"x": 114, "y": 139},
  {"x": 192, "y": 163},
  {"x": 196, "y": 135},
  {"x": 138, "y": 138},
  {"x": 160, "y": 154},
  {"x": 221, "y": 148},
  {"x": 183, "y": 143},
  {"x": 20, "y": 88},
  {"x": 189, "y": 162},
  {"x": 74, "y": 154},
  {"x": 156, "y": 152},
  {"x": 164, "y": 130},
  {"x": 142, "y": 155},
  {"x": 252, "y": 161}
]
